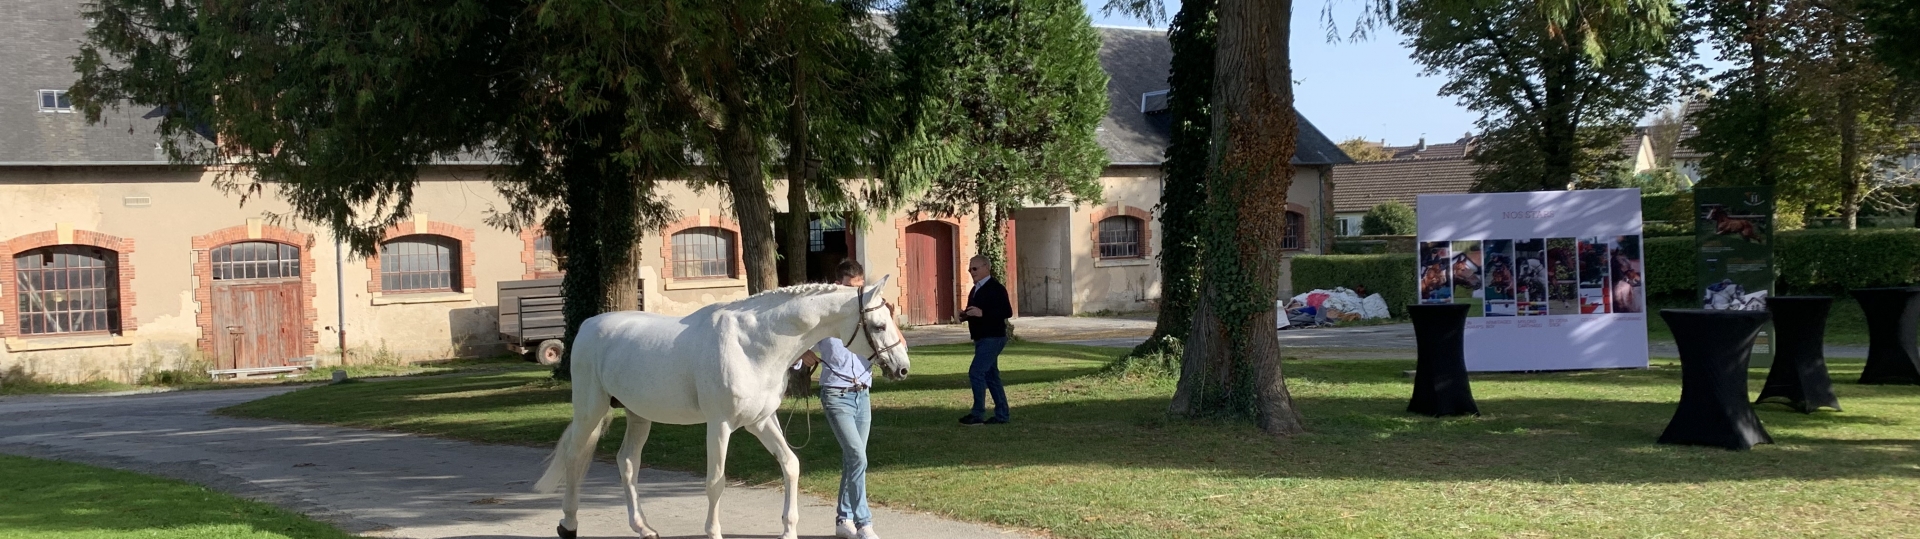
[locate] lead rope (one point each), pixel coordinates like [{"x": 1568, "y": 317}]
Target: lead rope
[{"x": 805, "y": 402}]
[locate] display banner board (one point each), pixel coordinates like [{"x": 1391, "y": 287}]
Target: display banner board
[
  {"x": 1555, "y": 277},
  {"x": 1733, "y": 230}
]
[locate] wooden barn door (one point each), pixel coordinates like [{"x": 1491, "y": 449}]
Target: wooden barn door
[
  {"x": 930, "y": 273},
  {"x": 256, "y": 304}
]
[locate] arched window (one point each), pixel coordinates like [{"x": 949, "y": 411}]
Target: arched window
[
  {"x": 545, "y": 263},
  {"x": 1120, "y": 237},
  {"x": 703, "y": 253},
  {"x": 1296, "y": 233},
  {"x": 67, "y": 289},
  {"x": 256, "y": 260},
  {"x": 420, "y": 263}
]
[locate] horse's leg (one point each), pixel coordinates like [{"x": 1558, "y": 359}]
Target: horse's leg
[
  {"x": 589, "y": 421},
  {"x": 770, "y": 435},
  {"x": 717, "y": 434},
  {"x": 637, "y": 429}
]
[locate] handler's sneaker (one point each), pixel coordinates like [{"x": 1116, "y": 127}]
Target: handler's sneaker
[
  {"x": 843, "y": 529},
  {"x": 866, "y": 532}
]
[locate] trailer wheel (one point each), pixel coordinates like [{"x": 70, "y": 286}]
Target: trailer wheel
[{"x": 549, "y": 352}]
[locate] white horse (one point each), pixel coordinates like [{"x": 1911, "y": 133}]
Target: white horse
[{"x": 725, "y": 365}]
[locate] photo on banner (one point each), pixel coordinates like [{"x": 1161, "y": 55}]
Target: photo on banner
[
  {"x": 1627, "y": 285},
  {"x": 1436, "y": 282},
  {"x": 1466, "y": 276},
  {"x": 1593, "y": 276},
  {"x": 1530, "y": 275},
  {"x": 1499, "y": 278},
  {"x": 1563, "y": 296}
]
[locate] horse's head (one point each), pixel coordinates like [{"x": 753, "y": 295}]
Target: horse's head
[{"x": 878, "y": 337}]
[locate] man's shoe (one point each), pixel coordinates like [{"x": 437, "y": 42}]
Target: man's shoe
[
  {"x": 866, "y": 532},
  {"x": 996, "y": 421},
  {"x": 843, "y": 529},
  {"x": 971, "y": 421}
]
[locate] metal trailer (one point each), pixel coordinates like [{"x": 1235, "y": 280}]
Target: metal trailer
[{"x": 531, "y": 321}]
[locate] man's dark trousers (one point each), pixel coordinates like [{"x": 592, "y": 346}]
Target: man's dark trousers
[{"x": 985, "y": 377}]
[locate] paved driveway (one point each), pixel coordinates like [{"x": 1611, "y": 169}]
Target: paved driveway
[{"x": 385, "y": 484}]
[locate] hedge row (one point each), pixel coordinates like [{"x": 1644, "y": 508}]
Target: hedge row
[
  {"x": 1815, "y": 261},
  {"x": 1390, "y": 275}
]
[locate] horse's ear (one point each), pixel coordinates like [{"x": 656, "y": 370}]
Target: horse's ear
[{"x": 880, "y": 287}]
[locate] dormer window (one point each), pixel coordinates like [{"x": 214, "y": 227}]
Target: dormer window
[
  {"x": 1152, "y": 102},
  {"x": 55, "y": 101}
]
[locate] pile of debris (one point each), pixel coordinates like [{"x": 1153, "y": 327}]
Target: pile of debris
[{"x": 1326, "y": 307}]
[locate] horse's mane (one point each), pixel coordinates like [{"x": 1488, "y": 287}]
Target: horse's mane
[{"x": 762, "y": 298}]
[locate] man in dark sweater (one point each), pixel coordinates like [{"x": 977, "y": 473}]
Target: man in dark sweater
[{"x": 987, "y": 312}]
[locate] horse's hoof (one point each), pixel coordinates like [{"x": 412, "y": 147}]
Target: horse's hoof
[{"x": 566, "y": 533}]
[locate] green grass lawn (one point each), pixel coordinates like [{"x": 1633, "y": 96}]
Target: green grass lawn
[
  {"x": 1846, "y": 323},
  {"x": 1090, "y": 455},
  {"x": 52, "y": 500}
]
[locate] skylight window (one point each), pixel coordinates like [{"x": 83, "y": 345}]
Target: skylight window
[{"x": 55, "y": 101}]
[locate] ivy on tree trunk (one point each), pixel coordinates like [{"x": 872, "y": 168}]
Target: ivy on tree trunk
[{"x": 1231, "y": 365}]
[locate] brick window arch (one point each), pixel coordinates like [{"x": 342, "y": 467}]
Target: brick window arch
[
  {"x": 537, "y": 255},
  {"x": 703, "y": 246},
  {"x": 209, "y": 268},
  {"x": 423, "y": 256},
  {"x": 1121, "y": 232},
  {"x": 1298, "y": 232},
  {"x": 64, "y": 282}
]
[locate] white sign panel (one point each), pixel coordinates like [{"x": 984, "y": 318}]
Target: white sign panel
[{"x": 1555, "y": 277}]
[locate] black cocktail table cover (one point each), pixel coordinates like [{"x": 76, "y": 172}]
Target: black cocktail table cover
[
  {"x": 1714, "y": 348},
  {"x": 1799, "y": 373},
  {"x": 1892, "y": 314},
  {"x": 1440, "y": 386}
]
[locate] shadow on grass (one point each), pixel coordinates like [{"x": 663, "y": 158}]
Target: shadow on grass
[{"x": 1600, "y": 430}]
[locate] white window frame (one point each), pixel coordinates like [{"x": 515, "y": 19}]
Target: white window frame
[{"x": 58, "y": 95}]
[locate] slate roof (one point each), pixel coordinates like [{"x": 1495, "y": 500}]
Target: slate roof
[
  {"x": 41, "y": 37},
  {"x": 1137, "y": 61}
]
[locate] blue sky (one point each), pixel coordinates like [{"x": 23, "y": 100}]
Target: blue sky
[{"x": 1354, "y": 89}]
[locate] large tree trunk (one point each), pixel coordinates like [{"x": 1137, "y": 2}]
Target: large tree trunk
[
  {"x": 1232, "y": 364},
  {"x": 1183, "y": 186},
  {"x": 1559, "y": 127},
  {"x": 991, "y": 240},
  {"x": 597, "y": 232},
  {"x": 747, "y": 186},
  {"x": 793, "y": 241},
  {"x": 1850, "y": 175}
]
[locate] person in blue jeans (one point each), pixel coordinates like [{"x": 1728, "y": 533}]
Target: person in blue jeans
[
  {"x": 988, "y": 309},
  {"x": 845, "y": 378}
]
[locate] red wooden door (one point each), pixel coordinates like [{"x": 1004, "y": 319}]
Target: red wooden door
[
  {"x": 930, "y": 273},
  {"x": 1012, "y": 269},
  {"x": 256, "y": 324}
]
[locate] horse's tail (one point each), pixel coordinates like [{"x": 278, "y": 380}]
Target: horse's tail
[{"x": 591, "y": 405}]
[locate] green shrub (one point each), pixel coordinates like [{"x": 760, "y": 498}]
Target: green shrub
[
  {"x": 1813, "y": 261},
  {"x": 1674, "y": 208},
  {"x": 1390, "y": 218},
  {"x": 1357, "y": 246},
  {"x": 1670, "y": 265},
  {"x": 1390, "y": 275},
  {"x": 1832, "y": 261}
]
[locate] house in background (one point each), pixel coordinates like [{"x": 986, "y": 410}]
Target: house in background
[
  {"x": 1433, "y": 169},
  {"x": 115, "y": 264}
]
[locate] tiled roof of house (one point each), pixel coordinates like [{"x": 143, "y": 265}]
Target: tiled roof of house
[
  {"x": 1360, "y": 186},
  {"x": 1681, "y": 150}
]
